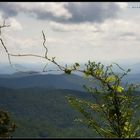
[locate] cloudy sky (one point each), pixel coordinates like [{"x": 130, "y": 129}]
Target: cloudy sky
[{"x": 75, "y": 31}]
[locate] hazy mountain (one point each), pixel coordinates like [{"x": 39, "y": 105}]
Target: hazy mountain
[
  {"x": 135, "y": 68},
  {"x": 5, "y": 68},
  {"x": 54, "y": 81},
  {"x": 27, "y": 80},
  {"x": 8, "y": 69},
  {"x": 132, "y": 78}
]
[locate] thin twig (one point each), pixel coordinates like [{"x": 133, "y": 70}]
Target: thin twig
[
  {"x": 62, "y": 68},
  {"x": 44, "y": 42}
]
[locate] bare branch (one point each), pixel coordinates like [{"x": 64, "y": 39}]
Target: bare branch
[
  {"x": 6, "y": 50},
  {"x": 44, "y": 38},
  {"x": 28, "y": 55},
  {"x": 46, "y": 54},
  {"x": 52, "y": 60},
  {"x": 3, "y": 26}
]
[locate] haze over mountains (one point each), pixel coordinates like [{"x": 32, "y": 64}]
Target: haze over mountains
[
  {"x": 37, "y": 103},
  {"x": 30, "y": 76},
  {"x": 5, "y": 68},
  {"x": 51, "y": 81}
]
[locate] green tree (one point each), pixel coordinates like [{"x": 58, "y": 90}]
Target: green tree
[{"x": 113, "y": 111}]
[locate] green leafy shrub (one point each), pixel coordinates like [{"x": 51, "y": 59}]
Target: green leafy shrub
[{"x": 114, "y": 110}]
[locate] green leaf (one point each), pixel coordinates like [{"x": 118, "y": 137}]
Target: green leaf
[
  {"x": 87, "y": 73},
  {"x": 118, "y": 88},
  {"x": 98, "y": 72},
  {"x": 126, "y": 128},
  {"x": 111, "y": 78}
]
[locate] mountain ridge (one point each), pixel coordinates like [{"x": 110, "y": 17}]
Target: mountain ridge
[{"x": 60, "y": 81}]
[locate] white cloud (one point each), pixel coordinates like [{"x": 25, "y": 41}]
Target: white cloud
[
  {"x": 122, "y": 5},
  {"x": 119, "y": 28},
  {"x": 16, "y": 25},
  {"x": 73, "y": 27}
]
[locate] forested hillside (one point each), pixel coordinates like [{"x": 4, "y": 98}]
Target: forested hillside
[{"x": 40, "y": 112}]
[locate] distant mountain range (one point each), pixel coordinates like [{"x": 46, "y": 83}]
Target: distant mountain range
[
  {"x": 38, "y": 105},
  {"x": 5, "y": 68},
  {"x": 51, "y": 81}
]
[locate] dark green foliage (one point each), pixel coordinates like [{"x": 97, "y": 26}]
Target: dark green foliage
[
  {"x": 67, "y": 71},
  {"x": 77, "y": 64},
  {"x": 6, "y": 126},
  {"x": 40, "y": 112}
]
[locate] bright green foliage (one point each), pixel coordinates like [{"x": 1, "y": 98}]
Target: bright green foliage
[
  {"x": 111, "y": 78},
  {"x": 113, "y": 112},
  {"x": 6, "y": 127},
  {"x": 118, "y": 88}
]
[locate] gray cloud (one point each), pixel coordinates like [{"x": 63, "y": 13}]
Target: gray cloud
[
  {"x": 8, "y": 10},
  {"x": 86, "y": 12},
  {"x": 92, "y": 12},
  {"x": 128, "y": 34},
  {"x": 81, "y": 12}
]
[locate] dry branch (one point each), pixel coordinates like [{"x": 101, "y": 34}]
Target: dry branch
[{"x": 52, "y": 60}]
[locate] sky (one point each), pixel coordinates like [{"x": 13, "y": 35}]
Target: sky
[{"x": 75, "y": 31}]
